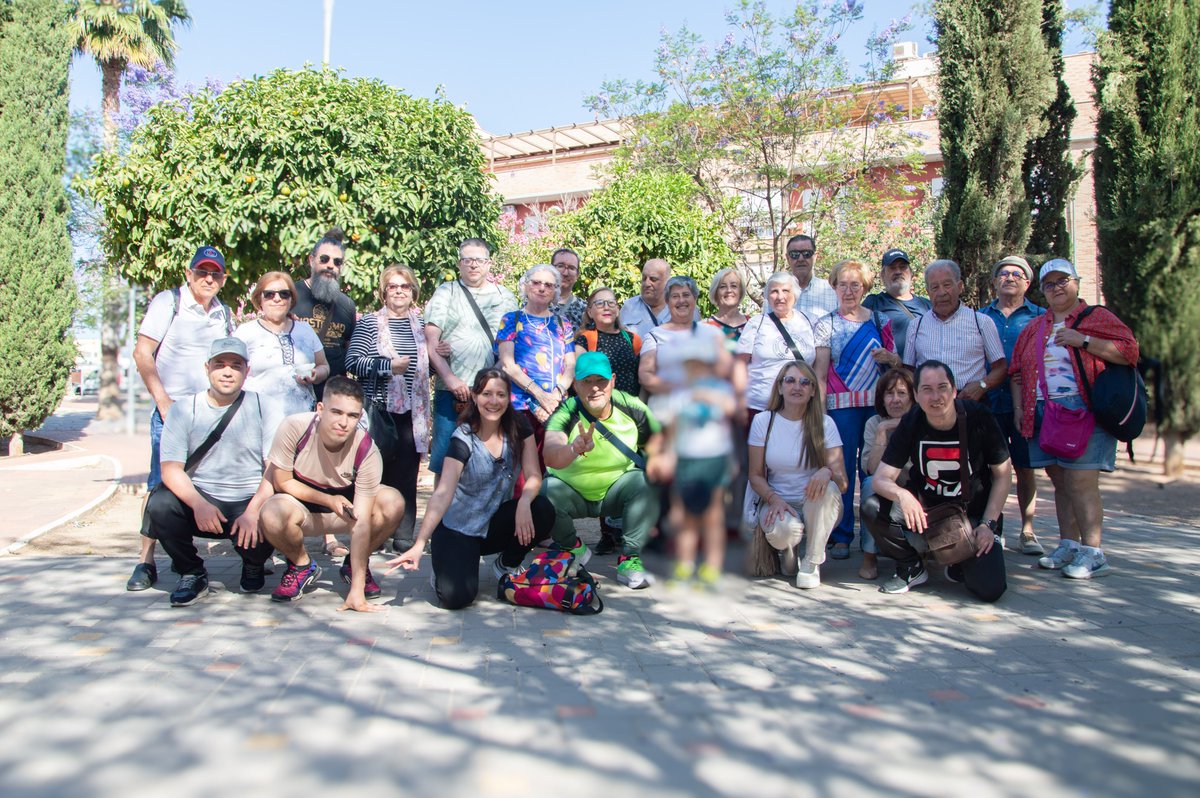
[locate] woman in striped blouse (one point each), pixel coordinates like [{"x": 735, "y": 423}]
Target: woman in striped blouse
[{"x": 394, "y": 371}]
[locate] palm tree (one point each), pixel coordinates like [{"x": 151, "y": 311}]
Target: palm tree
[{"x": 120, "y": 33}]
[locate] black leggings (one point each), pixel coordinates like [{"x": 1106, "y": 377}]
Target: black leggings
[
  {"x": 983, "y": 576},
  {"x": 456, "y": 556},
  {"x": 401, "y": 474},
  {"x": 174, "y": 525}
]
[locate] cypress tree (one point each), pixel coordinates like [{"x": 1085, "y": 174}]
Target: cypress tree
[
  {"x": 994, "y": 73},
  {"x": 1050, "y": 173},
  {"x": 1147, "y": 172},
  {"x": 37, "y": 292}
]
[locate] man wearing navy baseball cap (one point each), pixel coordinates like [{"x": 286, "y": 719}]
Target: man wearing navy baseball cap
[
  {"x": 897, "y": 301},
  {"x": 171, "y": 351}
]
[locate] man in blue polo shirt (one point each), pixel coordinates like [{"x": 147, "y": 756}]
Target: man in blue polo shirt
[{"x": 1011, "y": 312}]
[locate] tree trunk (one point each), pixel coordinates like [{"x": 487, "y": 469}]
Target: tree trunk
[
  {"x": 111, "y": 307},
  {"x": 1173, "y": 448},
  {"x": 16, "y": 445}
]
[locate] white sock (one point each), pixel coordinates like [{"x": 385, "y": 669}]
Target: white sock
[{"x": 1095, "y": 551}]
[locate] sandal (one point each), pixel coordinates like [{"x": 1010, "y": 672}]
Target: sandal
[
  {"x": 336, "y": 548},
  {"x": 839, "y": 551}
]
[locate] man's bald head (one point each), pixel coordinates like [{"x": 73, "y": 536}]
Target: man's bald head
[{"x": 655, "y": 273}]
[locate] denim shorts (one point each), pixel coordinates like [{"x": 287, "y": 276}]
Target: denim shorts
[
  {"x": 1018, "y": 447},
  {"x": 1101, "y": 453}
]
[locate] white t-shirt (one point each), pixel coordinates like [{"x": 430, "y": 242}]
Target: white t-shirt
[
  {"x": 184, "y": 340},
  {"x": 784, "y": 474},
  {"x": 669, "y": 346},
  {"x": 769, "y": 352},
  {"x": 1060, "y": 374},
  {"x": 271, "y": 375}
]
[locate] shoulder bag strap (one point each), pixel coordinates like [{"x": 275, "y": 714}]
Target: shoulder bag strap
[
  {"x": 787, "y": 337},
  {"x": 195, "y": 457},
  {"x": 964, "y": 474},
  {"x": 1087, "y": 386},
  {"x": 483, "y": 324},
  {"x": 618, "y": 444}
]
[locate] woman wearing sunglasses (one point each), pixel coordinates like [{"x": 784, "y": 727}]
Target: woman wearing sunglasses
[
  {"x": 393, "y": 368},
  {"x": 286, "y": 357},
  {"x": 797, "y": 473}
]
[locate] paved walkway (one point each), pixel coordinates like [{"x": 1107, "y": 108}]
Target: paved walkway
[{"x": 1062, "y": 688}]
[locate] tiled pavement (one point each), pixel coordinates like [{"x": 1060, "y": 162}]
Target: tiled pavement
[{"x": 1062, "y": 688}]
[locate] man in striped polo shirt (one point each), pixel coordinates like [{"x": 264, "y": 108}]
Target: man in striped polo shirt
[{"x": 952, "y": 333}]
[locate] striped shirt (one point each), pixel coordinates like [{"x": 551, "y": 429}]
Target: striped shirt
[
  {"x": 967, "y": 342},
  {"x": 364, "y": 361},
  {"x": 818, "y": 298}
]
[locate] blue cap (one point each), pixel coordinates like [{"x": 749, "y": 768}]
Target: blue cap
[
  {"x": 593, "y": 364},
  {"x": 207, "y": 254}
]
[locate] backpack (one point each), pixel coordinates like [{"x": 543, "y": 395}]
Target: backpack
[
  {"x": 229, "y": 323},
  {"x": 548, "y": 584},
  {"x": 592, "y": 338},
  {"x": 1117, "y": 397}
]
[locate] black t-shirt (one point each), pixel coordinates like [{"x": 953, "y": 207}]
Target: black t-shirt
[
  {"x": 934, "y": 454},
  {"x": 619, "y": 348},
  {"x": 337, "y": 333}
]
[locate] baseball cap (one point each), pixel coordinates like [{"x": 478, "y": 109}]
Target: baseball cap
[
  {"x": 593, "y": 364},
  {"x": 229, "y": 346},
  {"x": 1015, "y": 260},
  {"x": 1058, "y": 265},
  {"x": 207, "y": 254},
  {"x": 893, "y": 255}
]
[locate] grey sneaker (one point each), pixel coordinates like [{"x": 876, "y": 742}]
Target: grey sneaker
[
  {"x": 905, "y": 581},
  {"x": 191, "y": 588},
  {"x": 1087, "y": 565},
  {"x": 632, "y": 574},
  {"x": 500, "y": 570},
  {"x": 808, "y": 575},
  {"x": 1031, "y": 546},
  {"x": 1060, "y": 557}
]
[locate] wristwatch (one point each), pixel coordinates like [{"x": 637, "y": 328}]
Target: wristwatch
[
  {"x": 983, "y": 385},
  {"x": 1087, "y": 339},
  {"x": 991, "y": 524}
]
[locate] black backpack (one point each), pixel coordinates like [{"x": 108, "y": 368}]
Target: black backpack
[{"x": 1117, "y": 397}]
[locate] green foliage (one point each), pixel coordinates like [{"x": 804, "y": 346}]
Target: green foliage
[
  {"x": 127, "y": 32},
  {"x": 1147, "y": 169},
  {"x": 37, "y": 295},
  {"x": 996, "y": 81},
  {"x": 1050, "y": 174},
  {"x": 638, "y": 216},
  {"x": 767, "y": 117},
  {"x": 264, "y": 168}
]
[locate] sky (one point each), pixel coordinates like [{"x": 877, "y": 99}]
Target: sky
[{"x": 515, "y": 66}]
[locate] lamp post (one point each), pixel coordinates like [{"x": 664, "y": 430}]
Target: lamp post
[{"x": 328, "y": 32}]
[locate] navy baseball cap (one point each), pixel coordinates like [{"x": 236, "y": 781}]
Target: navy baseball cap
[
  {"x": 893, "y": 255},
  {"x": 210, "y": 255}
]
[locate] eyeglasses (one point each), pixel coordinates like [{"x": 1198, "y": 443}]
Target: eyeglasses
[
  {"x": 803, "y": 382},
  {"x": 399, "y": 287},
  {"x": 284, "y": 294},
  {"x": 1006, "y": 275},
  {"x": 570, "y": 266},
  {"x": 604, "y": 303},
  {"x": 796, "y": 254},
  {"x": 323, "y": 259},
  {"x": 206, "y": 274},
  {"x": 540, "y": 284},
  {"x": 1054, "y": 285},
  {"x": 474, "y": 261},
  {"x": 849, "y": 287}
]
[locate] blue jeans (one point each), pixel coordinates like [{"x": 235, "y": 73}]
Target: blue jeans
[
  {"x": 868, "y": 541},
  {"x": 850, "y": 422},
  {"x": 156, "y": 427},
  {"x": 445, "y": 421}
]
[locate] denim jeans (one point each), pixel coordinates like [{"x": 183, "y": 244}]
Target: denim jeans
[
  {"x": 445, "y": 421},
  {"x": 850, "y": 422},
  {"x": 156, "y": 428}
]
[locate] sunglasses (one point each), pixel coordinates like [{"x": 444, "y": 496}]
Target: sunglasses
[
  {"x": 796, "y": 254},
  {"x": 804, "y": 382},
  {"x": 283, "y": 293},
  {"x": 207, "y": 274},
  {"x": 540, "y": 284},
  {"x": 399, "y": 286},
  {"x": 1012, "y": 275},
  {"x": 323, "y": 259}
]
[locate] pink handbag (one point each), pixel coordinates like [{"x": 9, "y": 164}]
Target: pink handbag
[{"x": 1065, "y": 432}]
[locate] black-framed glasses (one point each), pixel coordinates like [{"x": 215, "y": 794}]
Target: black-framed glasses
[
  {"x": 604, "y": 303},
  {"x": 797, "y": 254},
  {"x": 1014, "y": 275},
  {"x": 283, "y": 293},
  {"x": 474, "y": 261},
  {"x": 803, "y": 382},
  {"x": 1054, "y": 285},
  {"x": 323, "y": 259}
]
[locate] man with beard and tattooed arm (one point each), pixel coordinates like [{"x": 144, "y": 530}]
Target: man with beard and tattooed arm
[{"x": 321, "y": 303}]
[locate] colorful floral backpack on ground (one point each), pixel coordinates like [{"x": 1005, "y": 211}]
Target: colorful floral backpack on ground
[{"x": 548, "y": 583}]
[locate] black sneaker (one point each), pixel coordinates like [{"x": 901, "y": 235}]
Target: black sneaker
[
  {"x": 145, "y": 574},
  {"x": 253, "y": 578},
  {"x": 905, "y": 579},
  {"x": 191, "y": 588},
  {"x": 371, "y": 589},
  {"x": 954, "y": 573}
]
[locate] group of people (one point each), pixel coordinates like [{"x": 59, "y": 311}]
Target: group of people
[{"x": 541, "y": 408}]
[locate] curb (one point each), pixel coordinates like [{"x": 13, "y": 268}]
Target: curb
[{"x": 24, "y": 540}]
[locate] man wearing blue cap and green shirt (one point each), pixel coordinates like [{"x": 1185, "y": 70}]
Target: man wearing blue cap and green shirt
[{"x": 596, "y": 451}]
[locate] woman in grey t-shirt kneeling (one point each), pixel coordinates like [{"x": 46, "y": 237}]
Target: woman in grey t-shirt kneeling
[{"x": 472, "y": 512}]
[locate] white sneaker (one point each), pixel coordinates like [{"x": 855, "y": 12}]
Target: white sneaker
[
  {"x": 500, "y": 570},
  {"x": 1087, "y": 564},
  {"x": 808, "y": 575},
  {"x": 1061, "y": 557}
]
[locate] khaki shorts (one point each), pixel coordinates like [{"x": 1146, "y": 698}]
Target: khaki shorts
[{"x": 316, "y": 524}]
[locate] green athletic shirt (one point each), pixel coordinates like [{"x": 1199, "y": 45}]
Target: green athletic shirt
[{"x": 591, "y": 476}]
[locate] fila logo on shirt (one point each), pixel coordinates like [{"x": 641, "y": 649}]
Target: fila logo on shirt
[{"x": 939, "y": 464}]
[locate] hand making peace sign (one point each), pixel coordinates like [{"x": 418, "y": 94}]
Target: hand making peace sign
[{"x": 584, "y": 443}]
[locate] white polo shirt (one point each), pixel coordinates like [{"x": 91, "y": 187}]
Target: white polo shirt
[
  {"x": 967, "y": 342},
  {"x": 185, "y": 340},
  {"x": 817, "y": 298}
]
